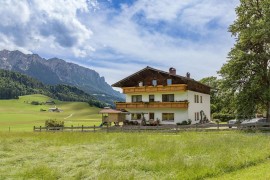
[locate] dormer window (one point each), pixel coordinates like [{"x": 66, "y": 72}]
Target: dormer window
[
  {"x": 169, "y": 81},
  {"x": 140, "y": 84},
  {"x": 154, "y": 82}
]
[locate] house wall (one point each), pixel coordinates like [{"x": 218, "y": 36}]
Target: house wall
[
  {"x": 179, "y": 114},
  {"x": 197, "y": 107},
  {"x": 178, "y": 96}
]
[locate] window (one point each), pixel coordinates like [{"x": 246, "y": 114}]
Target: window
[
  {"x": 154, "y": 82},
  {"x": 136, "y": 116},
  {"x": 167, "y": 97},
  {"x": 136, "y": 98},
  {"x": 197, "y": 116},
  {"x": 169, "y": 81},
  {"x": 140, "y": 84},
  {"x": 151, "y": 115},
  {"x": 151, "y": 98},
  {"x": 196, "y": 98},
  {"x": 201, "y": 99},
  {"x": 167, "y": 116}
]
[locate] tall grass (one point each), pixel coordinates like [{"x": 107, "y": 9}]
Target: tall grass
[{"x": 190, "y": 155}]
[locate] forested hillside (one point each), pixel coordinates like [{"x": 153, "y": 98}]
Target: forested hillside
[
  {"x": 57, "y": 71},
  {"x": 13, "y": 85}
]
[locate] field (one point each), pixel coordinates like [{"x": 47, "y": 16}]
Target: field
[
  {"x": 75, "y": 155},
  {"x": 187, "y": 155},
  {"x": 20, "y": 115}
]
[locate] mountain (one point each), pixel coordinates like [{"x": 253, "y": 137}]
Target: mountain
[
  {"x": 57, "y": 71},
  {"x": 14, "y": 84}
]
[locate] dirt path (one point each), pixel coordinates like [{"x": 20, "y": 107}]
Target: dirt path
[{"x": 69, "y": 116}]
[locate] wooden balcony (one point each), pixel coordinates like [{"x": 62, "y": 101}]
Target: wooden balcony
[
  {"x": 142, "y": 105},
  {"x": 159, "y": 88}
]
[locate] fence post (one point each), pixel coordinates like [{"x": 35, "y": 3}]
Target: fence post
[
  {"x": 94, "y": 128},
  {"x": 238, "y": 126},
  {"x": 72, "y": 128},
  {"x": 196, "y": 126},
  {"x": 107, "y": 127},
  {"x": 40, "y": 128},
  {"x": 256, "y": 126},
  {"x": 34, "y": 128},
  {"x": 218, "y": 125},
  {"x": 82, "y": 128}
]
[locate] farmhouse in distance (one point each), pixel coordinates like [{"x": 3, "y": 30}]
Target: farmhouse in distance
[{"x": 152, "y": 94}]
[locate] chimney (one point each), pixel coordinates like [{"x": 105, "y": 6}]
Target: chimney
[
  {"x": 188, "y": 75},
  {"x": 172, "y": 71}
]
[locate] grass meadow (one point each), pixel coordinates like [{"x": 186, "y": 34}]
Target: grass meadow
[
  {"x": 186, "y": 155},
  {"x": 20, "y": 115},
  {"x": 74, "y": 155}
]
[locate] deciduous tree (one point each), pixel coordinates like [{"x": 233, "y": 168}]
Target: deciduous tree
[{"x": 247, "y": 72}]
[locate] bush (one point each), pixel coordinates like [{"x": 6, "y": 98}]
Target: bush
[
  {"x": 223, "y": 117},
  {"x": 188, "y": 122},
  {"x": 54, "y": 123},
  {"x": 35, "y": 103}
]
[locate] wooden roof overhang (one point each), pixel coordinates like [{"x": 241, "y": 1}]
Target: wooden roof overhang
[
  {"x": 112, "y": 111},
  {"x": 147, "y": 74}
]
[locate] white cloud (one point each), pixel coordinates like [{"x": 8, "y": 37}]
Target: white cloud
[
  {"x": 41, "y": 25},
  {"x": 190, "y": 35},
  {"x": 202, "y": 56}
]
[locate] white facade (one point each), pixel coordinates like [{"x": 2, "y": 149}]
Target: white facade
[
  {"x": 197, "y": 103},
  {"x": 197, "y": 107}
]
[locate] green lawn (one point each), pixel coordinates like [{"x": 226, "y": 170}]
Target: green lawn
[
  {"x": 187, "y": 155},
  {"x": 70, "y": 155},
  {"x": 258, "y": 172},
  {"x": 20, "y": 115}
]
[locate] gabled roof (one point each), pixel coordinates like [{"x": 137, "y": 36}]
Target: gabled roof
[
  {"x": 111, "y": 111},
  {"x": 147, "y": 74}
]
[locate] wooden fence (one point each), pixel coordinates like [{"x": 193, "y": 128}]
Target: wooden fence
[{"x": 161, "y": 128}]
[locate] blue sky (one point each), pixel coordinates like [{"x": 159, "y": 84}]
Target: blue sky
[{"x": 119, "y": 37}]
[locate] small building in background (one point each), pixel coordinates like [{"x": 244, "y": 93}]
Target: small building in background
[{"x": 111, "y": 115}]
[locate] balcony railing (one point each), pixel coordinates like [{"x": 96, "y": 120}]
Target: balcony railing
[
  {"x": 159, "y": 88},
  {"x": 139, "y": 105}
]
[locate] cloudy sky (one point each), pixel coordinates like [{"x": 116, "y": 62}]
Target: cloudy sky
[{"x": 119, "y": 37}]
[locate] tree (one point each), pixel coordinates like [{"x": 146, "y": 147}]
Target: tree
[
  {"x": 222, "y": 100},
  {"x": 247, "y": 72}
]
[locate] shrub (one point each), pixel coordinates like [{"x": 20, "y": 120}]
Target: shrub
[
  {"x": 35, "y": 103},
  {"x": 223, "y": 117},
  {"x": 54, "y": 123},
  {"x": 185, "y": 122}
]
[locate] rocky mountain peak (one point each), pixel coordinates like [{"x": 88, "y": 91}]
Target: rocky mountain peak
[{"x": 57, "y": 71}]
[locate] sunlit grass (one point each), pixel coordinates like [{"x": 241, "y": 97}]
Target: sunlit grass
[
  {"x": 188, "y": 155},
  {"x": 20, "y": 115}
]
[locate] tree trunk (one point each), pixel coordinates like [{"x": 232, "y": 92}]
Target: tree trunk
[{"x": 268, "y": 112}]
